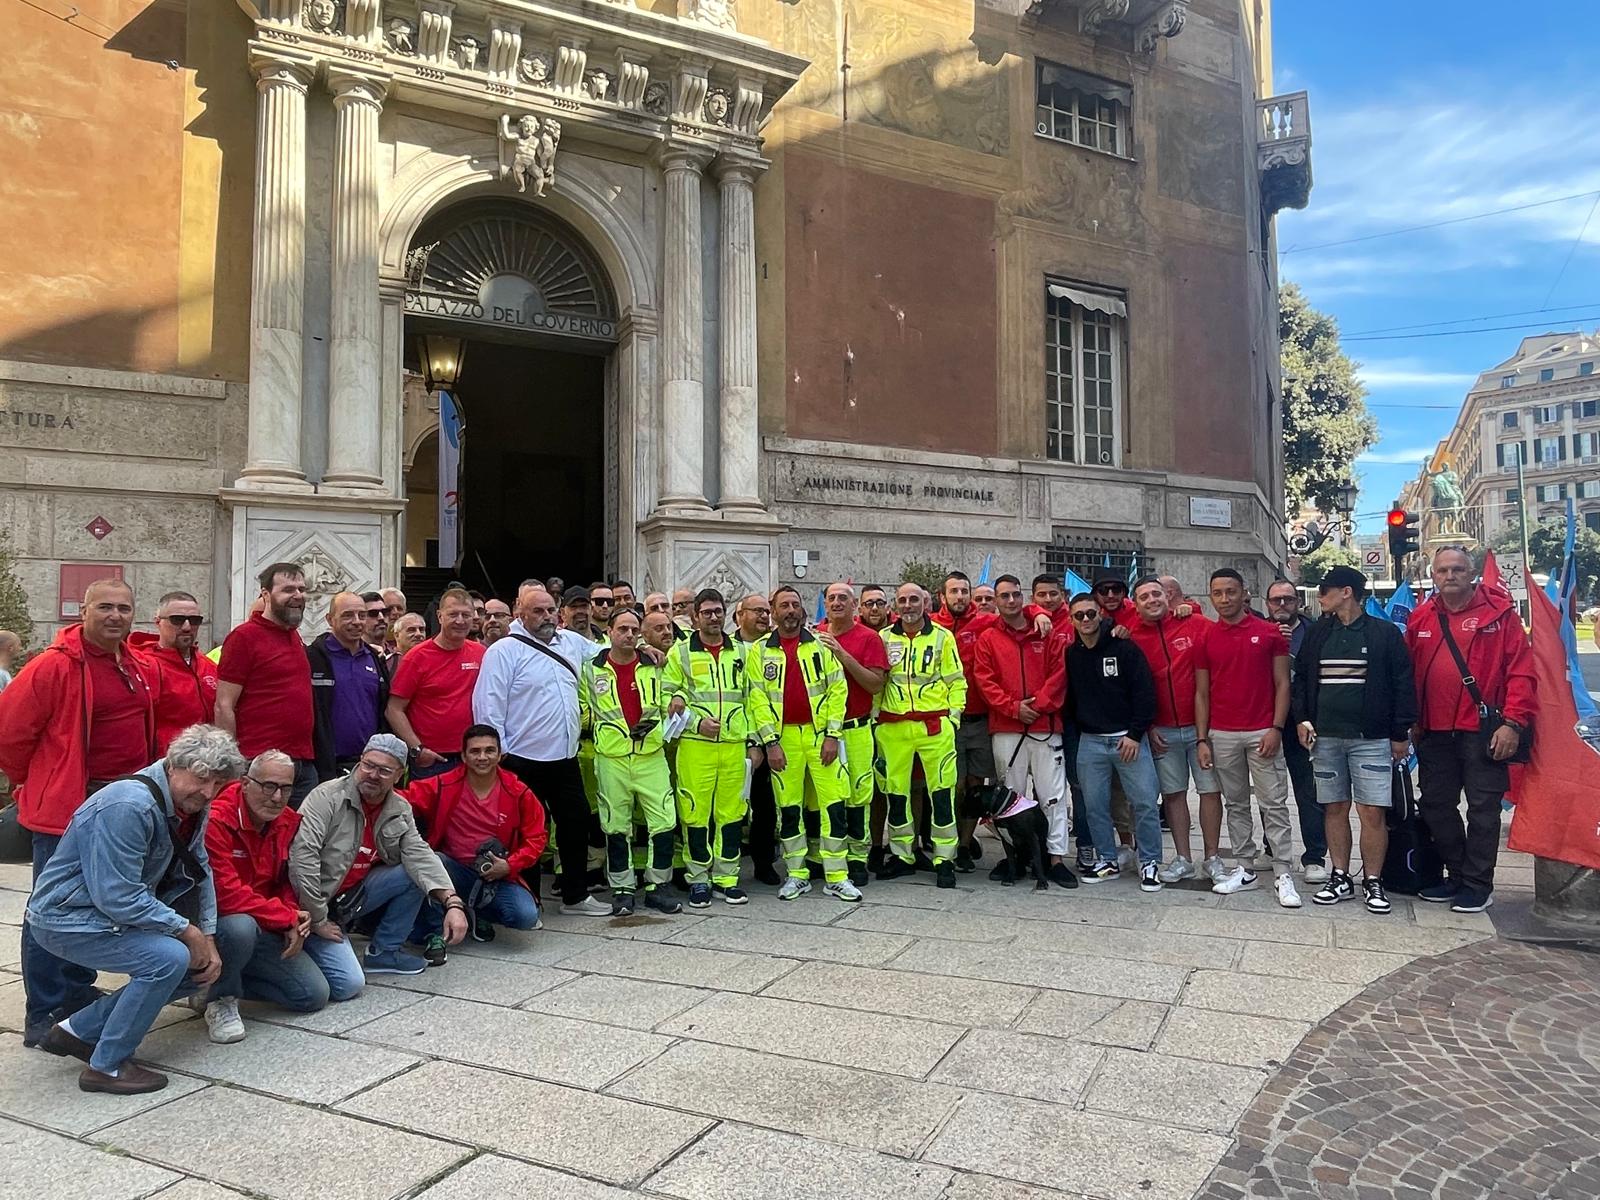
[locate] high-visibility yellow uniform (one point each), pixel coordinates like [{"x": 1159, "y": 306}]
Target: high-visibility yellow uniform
[
  {"x": 803, "y": 746},
  {"x": 630, "y": 774},
  {"x": 711, "y": 770},
  {"x": 918, "y": 712}
]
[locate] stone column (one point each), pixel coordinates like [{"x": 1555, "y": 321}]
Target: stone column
[
  {"x": 277, "y": 281},
  {"x": 740, "y": 437},
  {"x": 682, "y": 357},
  {"x": 355, "y": 406}
]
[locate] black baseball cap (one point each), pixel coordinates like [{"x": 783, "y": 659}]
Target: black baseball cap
[
  {"x": 574, "y": 594},
  {"x": 1343, "y": 576}
]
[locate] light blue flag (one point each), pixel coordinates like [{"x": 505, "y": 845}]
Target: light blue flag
[
  {"x": 1565, "y": 581},
  {"x": 1075, "y": 583},
  {"x": 1133, "y": 569},
  {"x": 1374, "y": 609},
  {"x": 988, "y": 565},
  {"x": 822, "y": 612},
  {"x": 1401, "y": 604},
  {"x": 1107, "y": 563}
]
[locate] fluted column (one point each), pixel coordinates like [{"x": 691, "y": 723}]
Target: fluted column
[
  {"x": 740, "y": 438},
  {"x": 682, "y": 358},
  {"x": 277, "y": 280},
  {"x": 355, "y": 407}
]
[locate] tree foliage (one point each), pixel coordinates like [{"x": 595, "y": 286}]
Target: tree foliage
[
  {"x": 13, "y": 599},
  {"x": 1326, "y": 556},
  {"x": 925, "y": 572},
  {"x": 1325, "y": 421},
  {"x": 1546, "y": 542}
]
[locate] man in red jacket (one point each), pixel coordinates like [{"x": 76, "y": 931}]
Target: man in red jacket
[
  {"x": 1451, "y": 756},
  {"x": 76, "y": 717},
  {"x": 461, "y": 812},
  {"x": 183, "y": 681},
  {"x": 1111, "y": 594},
  {"x": 974, "y": 753},
  {"x": 1022, "y": 675},
  {"x": 261, "y": 928}
]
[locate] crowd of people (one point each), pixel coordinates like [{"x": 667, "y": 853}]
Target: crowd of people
[{"x": 220, "y": 826}]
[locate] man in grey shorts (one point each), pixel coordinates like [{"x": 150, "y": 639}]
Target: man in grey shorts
[
  {"x": 1168, "y": 642},
  {"x": 1353, "y": 705}
]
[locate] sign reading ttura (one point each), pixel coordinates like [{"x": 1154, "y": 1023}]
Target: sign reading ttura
[
  {"x": 510, "y": 316},
  {"x": 870, "y": 485}
]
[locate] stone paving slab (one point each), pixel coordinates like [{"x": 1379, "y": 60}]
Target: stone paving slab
[
  {"x": 1229, "y": 1037},
  {"x": 282, "y": 1151},
  {"x": 845, "y": 1037},
  {"x": 42, "y": 1089},
  {"x": 551, "y": 1048},
  {"x": 276, "y": 1059},
  {"x": 610, "y": 1000},
  {"x": 643, "y": 926},
  {"x": 930, "y": 997},
  {"x": 835, "y": 1104},
  {"x": 199, "y": 1189},
  {"x": 17, "y": 877},
  {"x": 986, "y": 1187},
  {"x": 1066, "y": 1014},
  {"x": 1401, "y": 939},
  {"x": 1096, "y": 975},
  {"x": 1279, "y": 926},
  {"x": 1055, "y": 907},
  {"x": 688, "y": 965},
  {"x": 1020, "y": 1064},
  {"x": 795, "y": 941},
  {"x": 952, "y": 925},
  {"x": 490, "y": 980},
  {"x": 1156, "y": 946},
  {"x": 340, "y": 1017},
  {"x": 1320, "y": 962},
  {"x": 1038, "y": 1143},
  {"x": 1266, "y": 995},
  {"x": 539, "y": 948},
  {"x": 735, "y": 1162},
  {"x": 1173, "y": 1091},
  {"x": 45, "y": 1166},
  {"x": 490, "y": 1177},
  {"x": 599, "y": 1136},
  {"x": 12, "y": 906}
]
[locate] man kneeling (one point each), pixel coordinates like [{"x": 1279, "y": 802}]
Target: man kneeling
[
  {"x": 488, "y": 828},
  {"x": 129, "y": 889},
  {"x": 261, "y": 928},
  {"x": 358, "y": 857}
]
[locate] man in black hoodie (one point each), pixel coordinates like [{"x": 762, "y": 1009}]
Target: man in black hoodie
[{"x": 1112, "y": 697}]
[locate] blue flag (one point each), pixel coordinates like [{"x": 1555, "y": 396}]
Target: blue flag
[
  {"x": 1133, "y": 569},
  {"x": 1401, "y": 604},
  {"x": 1374, "y": 609},
  {"x": 1565, "y": 581},
  {"x": 822, "y": 613},
  {"x": 1075, "y": 583},
  {"x": 988, "y": 565}
]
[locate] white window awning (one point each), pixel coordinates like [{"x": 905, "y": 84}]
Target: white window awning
[{"x": 1100, "y": 302}]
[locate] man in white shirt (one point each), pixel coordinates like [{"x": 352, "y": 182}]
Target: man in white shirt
[{"x": 528, "y": 689}]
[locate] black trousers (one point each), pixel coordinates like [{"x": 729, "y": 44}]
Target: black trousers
[
  {"x": 305, "y": 778},
  {"x": 1303, "y": 780},
  {"x": 761, "y": 840},
  {"x": 559, "y": 787},
  {"x": 1447, "y": 765}
]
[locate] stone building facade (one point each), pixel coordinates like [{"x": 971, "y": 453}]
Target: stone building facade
[{"x": 739, "y": 291}]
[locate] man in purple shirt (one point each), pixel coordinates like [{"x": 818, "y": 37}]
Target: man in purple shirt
[{"x": 349, "y": 688}]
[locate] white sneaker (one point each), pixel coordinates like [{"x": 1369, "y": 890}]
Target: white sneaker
[
  {"x": 1215, "y": 868},
  {"x": 843, "y": 890},
  {"x": 587, "y": 907},
  {"x": 1287, "y": 896},
  {"x": 222, "y": 1021},
  {"x": 1179, "y": 868},
  {"x": 1126, "y": 858},
  {"x": 1316, "y": 872},
  {"x": 1236, "y": 880},
  {"x": 794, "y": 887}
]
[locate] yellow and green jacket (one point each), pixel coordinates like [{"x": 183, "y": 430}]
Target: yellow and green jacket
[
  {"x": 716, "y": 686},
  {"x": 825, "y": 685},
  {"x": 925, "y": 675},
  {"x": 601, "y": 711}
]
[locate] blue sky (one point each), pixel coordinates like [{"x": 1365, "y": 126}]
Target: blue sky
[{"x": 1423, "y": 112}]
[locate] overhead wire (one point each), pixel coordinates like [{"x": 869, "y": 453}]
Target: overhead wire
[{"x": 1497, "y": 212}]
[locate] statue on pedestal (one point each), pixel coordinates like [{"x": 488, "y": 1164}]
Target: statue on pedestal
[{"x": 1447, "y": 498}]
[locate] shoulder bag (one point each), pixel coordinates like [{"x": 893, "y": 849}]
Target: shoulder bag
[{"x": 1490, "y": 718}]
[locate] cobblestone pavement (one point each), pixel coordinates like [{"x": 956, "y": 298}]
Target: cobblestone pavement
[{"x": 985, "y": 1043}]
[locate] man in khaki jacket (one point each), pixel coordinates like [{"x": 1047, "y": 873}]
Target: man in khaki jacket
[{"x": 358, "y": 856}]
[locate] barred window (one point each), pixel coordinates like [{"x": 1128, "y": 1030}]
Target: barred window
[
  {"x": 1083, "y": 109},
  {"x": 1083, "y": 375},
  {"x": 1091, "y": 556}
]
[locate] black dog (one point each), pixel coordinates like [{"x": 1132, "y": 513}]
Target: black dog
[{"x": 1020, "y": 824}]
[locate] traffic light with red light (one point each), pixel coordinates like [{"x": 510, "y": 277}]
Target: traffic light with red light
[{"x": 1403, "y": 537}]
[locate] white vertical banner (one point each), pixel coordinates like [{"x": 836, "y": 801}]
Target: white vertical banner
[{"x": 449, "y": 481}]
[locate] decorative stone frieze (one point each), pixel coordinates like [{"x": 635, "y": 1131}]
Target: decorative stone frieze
[
  {"x": 434, "y": 20},
  {"x": 1147, "y": 21}
]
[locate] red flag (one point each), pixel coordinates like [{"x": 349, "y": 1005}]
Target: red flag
[
  {"x": 1557, "y": 793},
  {"x": 1491, "y": 570}
]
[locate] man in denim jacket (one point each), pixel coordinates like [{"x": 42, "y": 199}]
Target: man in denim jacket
[{"x": 129, "y": 889}]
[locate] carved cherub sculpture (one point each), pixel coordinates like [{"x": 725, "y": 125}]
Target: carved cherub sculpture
[
  {"x": 528, "y": 153},
  {"x": 401, "y": 36}
]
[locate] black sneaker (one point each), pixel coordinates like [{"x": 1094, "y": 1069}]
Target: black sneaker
[
  {"x": 1377, "y": 902},
  {"x": 921, "y": 862},
  {"x": 768, "y": 874},
  {"x": 731, "y": 895},
  {"x": 1148, "y": 880},
  {"x": 433, "y": 949},
  {"x": 875, "y": 858},
  {"x": 1061, "y": 875},
  {"x": 680, "y": 880},
  {"x": 1100, "y": 871},
  {"x": 1086, "y": 858},
  {"x": 945, "y": 875},
  {"x": 1440, "y": 893},
  {"x": 1471, "y": 900},
  {"x": 1339, "y": 887},
  {"x": 894, "y": 867},
  {"x": 964, "y": 862},
  {"x": 622, "y": 904},
  {"x": 658, "y": 900},
  {"x": 699, "y": 895},
  {"x": 1001, "y": 872},
  {"x": 858, "y": 874}
]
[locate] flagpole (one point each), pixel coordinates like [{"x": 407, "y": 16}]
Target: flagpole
[{"x": 1522, "y": 518}]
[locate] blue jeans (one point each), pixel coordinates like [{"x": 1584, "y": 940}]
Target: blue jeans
[
  {"x": 55, "y": 987},
  {"x": 393, "y": 900},
  {"x": 512, "y": 905},
  {"x": 1080, "y": 817},
  {"x": 158, "y": 968},
  {"x": 253, "y": 968},
  {"x": 1097, "y": 758}
]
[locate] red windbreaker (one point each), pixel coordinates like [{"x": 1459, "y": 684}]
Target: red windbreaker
[
  {"x": 1491, "y": 639},
  {"x": 185, "y": 692},
  {"x": 968, "y": 627},
  {"x": 44, "y": 731},
  {"x": 251, "y": 868},
  {"x": 1011, "y": 665},
  {"x": 522, "y": 832},
  {"x": 1169, "y": 647}
]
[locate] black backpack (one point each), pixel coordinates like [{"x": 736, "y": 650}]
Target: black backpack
[{"x": 1412, "y": 863}]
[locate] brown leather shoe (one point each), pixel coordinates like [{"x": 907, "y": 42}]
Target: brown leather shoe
[
  {"x": 131, "y": 1080},
  {"x": 66, "y": 1045}
]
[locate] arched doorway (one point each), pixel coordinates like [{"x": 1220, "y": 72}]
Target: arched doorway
[{"x": 536, "y": 320}]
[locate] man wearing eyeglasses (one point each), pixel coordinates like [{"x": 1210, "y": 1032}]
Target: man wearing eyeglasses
[
  {"x": 349, "y": 686},
  {"x": 358, "y": 857},
  {"x": 1283, "y": 607},
  {"x": 496, "y": 620},
  {"x": 875, "y": 609},
  {"x": 752, "y": 621},
  {"x": 184, "y": 681}
]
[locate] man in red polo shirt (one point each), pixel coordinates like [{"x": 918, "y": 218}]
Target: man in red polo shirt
[
  {"x": 1241, "y": 700},
  {"x": 430, "y": 700},
  {"x": 264, "y": 678},
  {"x": 861, "y": 653},
  {"x": 183, "y": 681},
  {"x": 78, "y": 715}
]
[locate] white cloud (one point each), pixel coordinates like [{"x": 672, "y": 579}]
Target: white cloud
[
  {"x": 1409, "y": 374},
  {"x": 1411, "y": 454}
]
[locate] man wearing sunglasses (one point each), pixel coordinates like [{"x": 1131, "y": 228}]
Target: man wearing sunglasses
[
  {"x": 1283, "y": 608},
  {"x": 185, "y": 681},
  {"x": 1111, "y": 594},
  {"x": 349, "y": 685}
]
